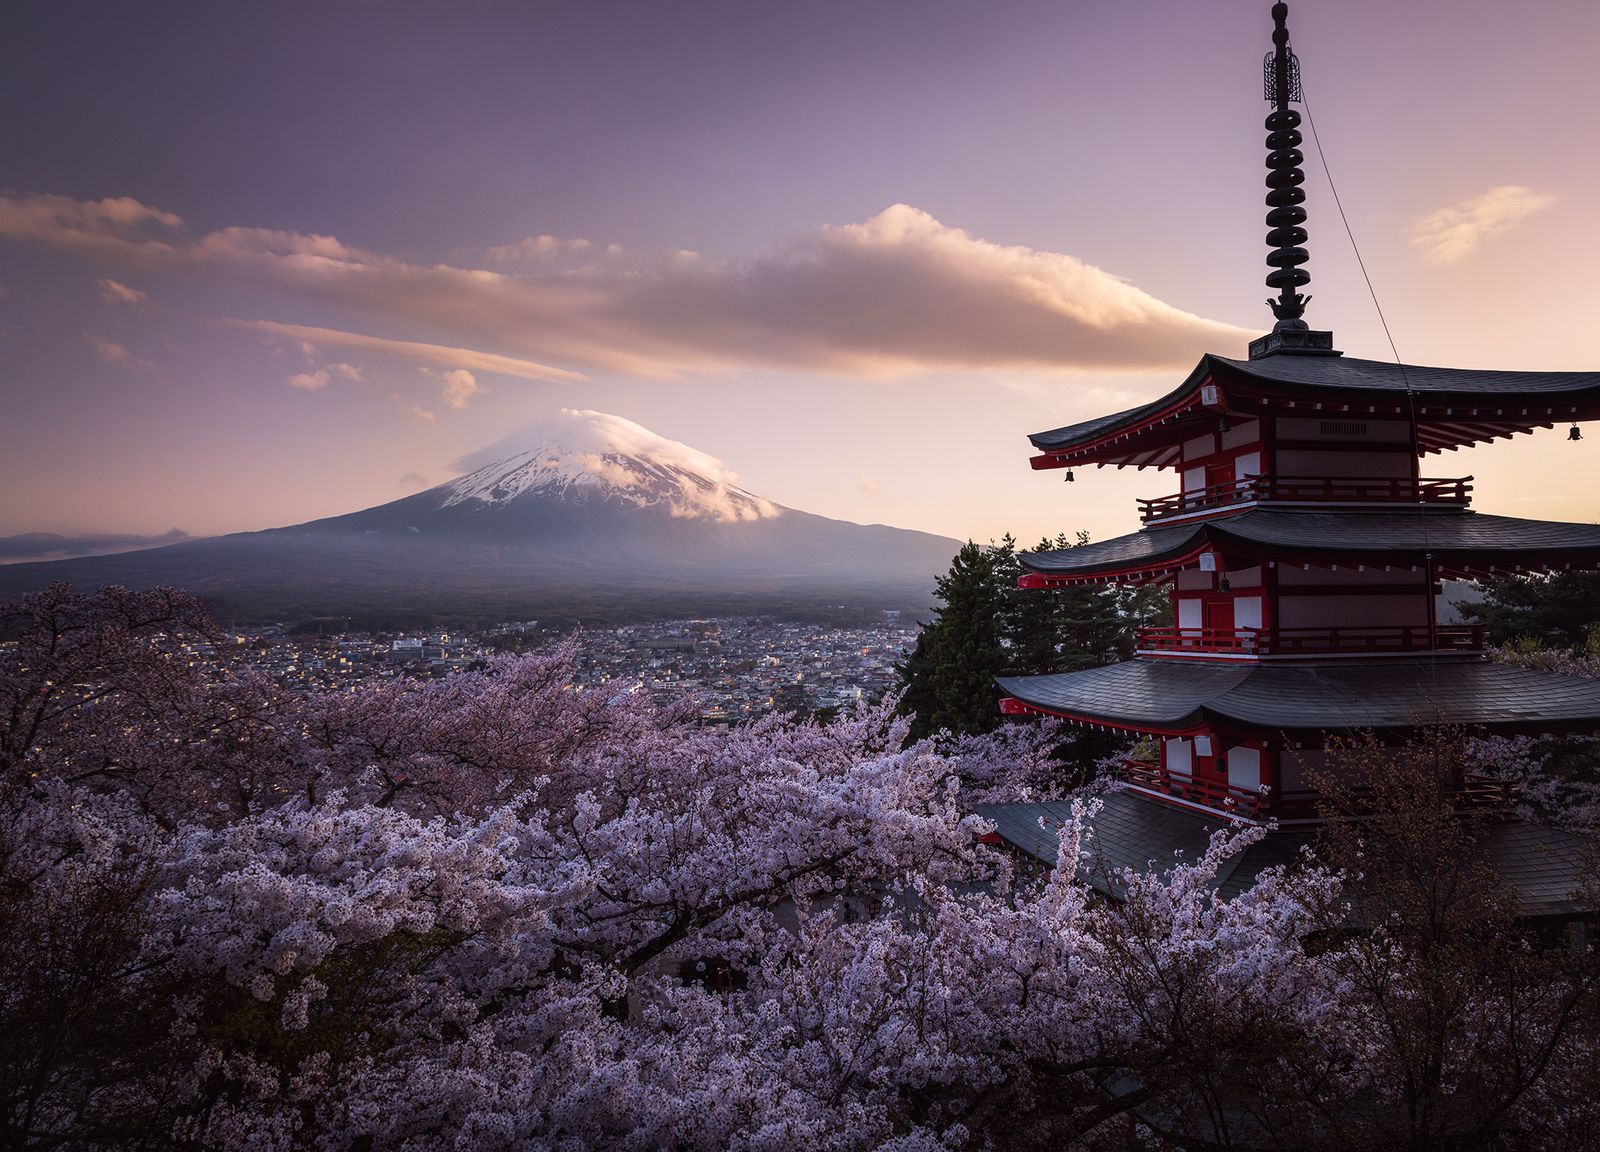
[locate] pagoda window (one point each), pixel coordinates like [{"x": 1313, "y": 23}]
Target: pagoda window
[
  {"x": 1242, "y": 435},
  {"x": 1244, "y": 767},
  {"x": 1296, "y": 767}
]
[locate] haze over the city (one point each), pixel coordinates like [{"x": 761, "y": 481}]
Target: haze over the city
[{"x": 262, "y": 264}]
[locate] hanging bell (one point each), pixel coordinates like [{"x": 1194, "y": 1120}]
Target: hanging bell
[
  {"x": 1071, "y": 477},
  {"x": 1223, "y": 585},
  {"x": 1574, "y": 433}
]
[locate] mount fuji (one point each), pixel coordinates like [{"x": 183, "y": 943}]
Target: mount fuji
[{"x": 594, "y": 518}]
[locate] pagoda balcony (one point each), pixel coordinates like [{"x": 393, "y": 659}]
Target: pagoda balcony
[
  {"x": 1472, "y": 793},
  {"x": 1241, "y": 803},
  {"x": 1309, "y": 490},
  {"x": 1354, "y": 641}
]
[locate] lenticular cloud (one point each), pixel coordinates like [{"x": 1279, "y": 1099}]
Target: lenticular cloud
[{"x": 898, "y": 293}]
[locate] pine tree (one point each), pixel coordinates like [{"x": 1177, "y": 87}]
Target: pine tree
[
  {"x": 990, "y": 627},
  {"x": 1033, "y": 622},
  {"x": 1559, "y": 610},
  {"x": 949, "y": 675}
]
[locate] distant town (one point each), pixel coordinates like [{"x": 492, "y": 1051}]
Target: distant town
[{"x": 735, "y": 668}]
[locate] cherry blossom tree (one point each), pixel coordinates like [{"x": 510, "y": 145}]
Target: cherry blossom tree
[{"x": 500, "y": 912}]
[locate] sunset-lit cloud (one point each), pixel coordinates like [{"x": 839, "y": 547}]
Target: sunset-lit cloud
[
  {"x": 112, "y": 352},
  {"x": 113, "y": 292},
  {"x": 118, "y": 223},
  {"x": 457, "y": 386},
  {"x": 320, "y": 378},
  {"x": 414, "y": 413},
  {"x": 1454, "y": 232},
  {"x": 432, "y": 354},
  {"x": 540, "y": 248},
  {"x": 898, "y": 293}
]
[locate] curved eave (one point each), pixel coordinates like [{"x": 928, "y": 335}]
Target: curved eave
[
  {"x": 1455, "y": 543},
  {"x": 1452, "y": 408},
  {"x": 1384, "y": 696}
]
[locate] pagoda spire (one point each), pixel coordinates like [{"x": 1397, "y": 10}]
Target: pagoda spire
[
  {"x": 1285, "y": 217},
  {"x": 1286, "y": 214}
]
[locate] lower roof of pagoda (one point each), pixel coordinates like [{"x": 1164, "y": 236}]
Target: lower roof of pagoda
[
  {"x": 1458, "y": 542},
  {"x": 1176, "y": 698},
  {"x": 1451, "y": 407},
  {"x": 1546, "y": 867}
]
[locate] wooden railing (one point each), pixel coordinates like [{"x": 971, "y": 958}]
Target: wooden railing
[
  {"x": 1475, "y": 792},
  {"x": 1216, "y": 794},
  {"x": 1296, "y": 641},
  {"x": 1314, "y": 489}
]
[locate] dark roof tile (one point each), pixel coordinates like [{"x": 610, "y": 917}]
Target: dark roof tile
[{"x": 1342, "y": 697}]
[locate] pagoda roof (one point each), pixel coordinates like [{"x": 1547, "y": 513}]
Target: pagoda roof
[
  {"x": 1545, "y": 866},
  {"x": 1456, "y": 540},
  {"x": 1132, "y": 830},
  {"x": 1452, "y": 406},
  {"x": 1174, "y": 697}
]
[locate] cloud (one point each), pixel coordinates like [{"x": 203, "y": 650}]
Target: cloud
[
  {"x": 319, "y": 379},
  {"x": 415, "y": 413},
  {"x": 112, "y": 352},
  {"x": 900, "y": 292},
  {"x": 1451, "y": 234},
  {"x": 118, "y": 223},
  {"x": 868, "y": 485},
  {"x": 594, "y": 439},
  {"x": 114, "y": 293},
  {"x": 440, "y": 355},
  {"x": 458, "y": 386},
  {"x": 542, "y": 249},
  {"x": 413, "y": 480}
]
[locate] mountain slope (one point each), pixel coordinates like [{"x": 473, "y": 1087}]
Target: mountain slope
[{"x": 604, "y": 522}]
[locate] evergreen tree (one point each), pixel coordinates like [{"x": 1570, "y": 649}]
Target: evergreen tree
[
  {"x": 1033, "y": 622},
  {"x": 990, "y": 627},
  {"x": 1560, "y": 610},
  {"x": 950, "y": 674}
]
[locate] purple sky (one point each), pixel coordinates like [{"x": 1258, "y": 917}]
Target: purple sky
[{"x": 261, "y": 263}]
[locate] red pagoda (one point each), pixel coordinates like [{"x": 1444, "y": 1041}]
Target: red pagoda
[{"x": 1305, "y": 552}]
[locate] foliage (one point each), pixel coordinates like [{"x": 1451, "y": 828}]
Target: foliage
[
  {"x": 1561, "y": 610},
  {"x": 1462, "y": 1018},
  {"x": 989, "y": 626}
]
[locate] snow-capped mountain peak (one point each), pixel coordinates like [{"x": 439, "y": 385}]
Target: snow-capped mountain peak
[{"x": 596, "y": 456}]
